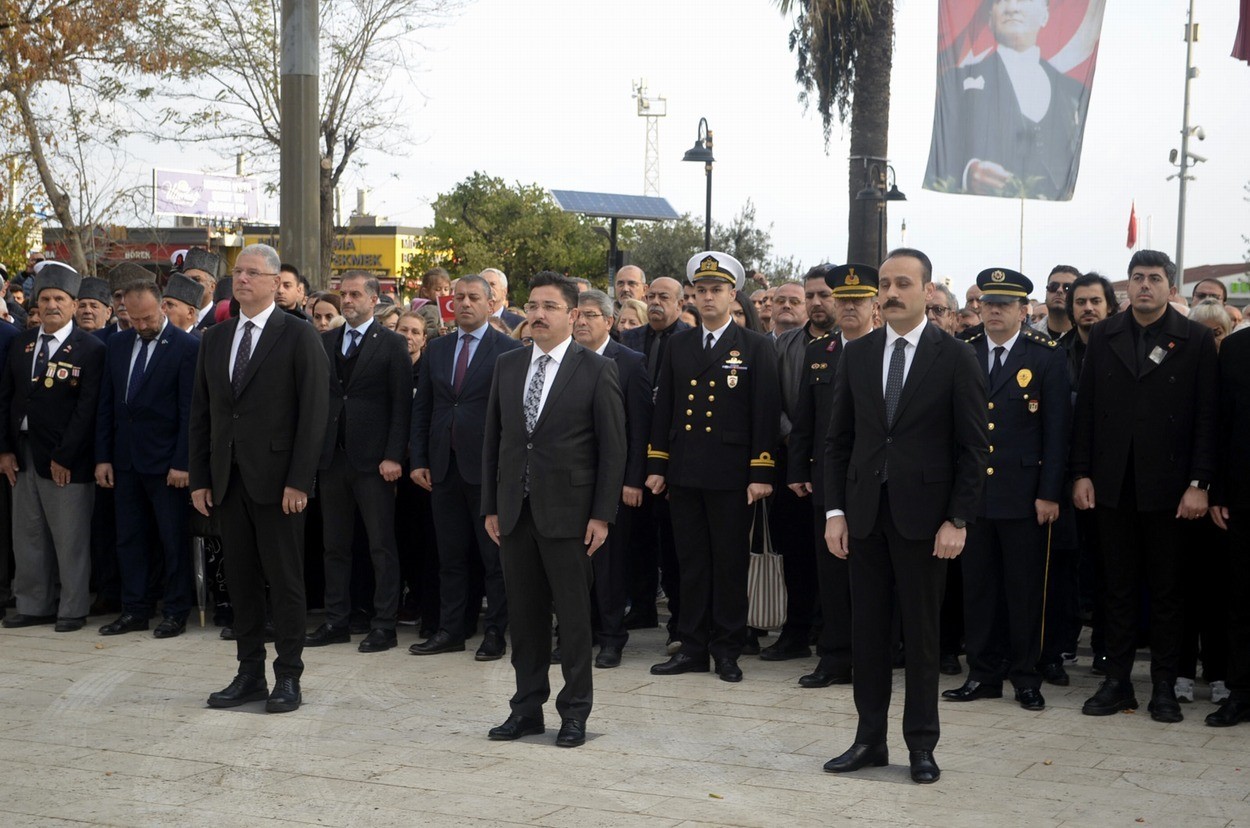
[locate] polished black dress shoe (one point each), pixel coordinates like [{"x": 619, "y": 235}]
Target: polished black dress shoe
[
  {"x": 680, "y": 663},
  {"x": 378, "y": 641},
  {"x": 859, "y": 756},
  {"x": 950, "y": 666},
  {"x": 572, "y": 733},
  {"x": 1231, "y": 712},
  {"x": 1030, "y": 698},
  {"x": 516, "y": 727},
  {"x": 785, "y": 649},
  {"x": 442, "y": 642},
  {"x": 327, "y": 633},
  {"x": 126, "y": 622},
  {"x": 608, "y": 657},
  {"x": 169, "y": 627},
  {"x": 69, "y": 624},
  {"x": 1164, "y": 706},
  {"x": 824, "y": 678},
  {"x": 17, "y": 619},
  {"x": 972, "y": 690},
  {"x": 493, "y": 647},
  {"x": 1055, "y": 674},
  {"x": 242, "y": 690},
  {"x": 1113, "y": 696},
  {"x": 285, "y": 696},
  {"x": 728, "y": 670},
  {"x": 924, "y": 771}
]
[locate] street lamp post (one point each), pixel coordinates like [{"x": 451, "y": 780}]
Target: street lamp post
[
  {"x": 876, "y": 189},
  {"x": 702, "y": 151}
]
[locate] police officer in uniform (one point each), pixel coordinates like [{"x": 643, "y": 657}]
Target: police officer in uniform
[
  {"x": 1004, "y": 565},
  {"x": 717, "y": 415}
]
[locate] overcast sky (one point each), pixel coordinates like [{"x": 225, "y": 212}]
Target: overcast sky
[{"x": 540, "y": 91}]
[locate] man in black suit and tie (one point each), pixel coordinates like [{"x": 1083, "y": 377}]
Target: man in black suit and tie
[
  {"x": 141, "y": 454},
  {"x": 258, "y": 418},
  {"x": 611, "y": 565},
  {"x": 448, "y": 418},
  {"x": 366, "y": 440},
  {"x": 904, "y": 465},
  {"x": 1144, "y": 454},
  {"x": 552, "y": 466}
]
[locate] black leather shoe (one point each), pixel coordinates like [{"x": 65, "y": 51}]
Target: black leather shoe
[
  {"x": 442, "y": 642},
  {"x": 1113, "y": 696},
  {"x": 1055, "y": 674},
  {"x": 859, "y": 756},
  {"x": 327, "y": 633},
  {"x": 126, "y": 622},
  {"x": 1231, "y": 712},
  {"x": 1163, "y": 705},
  {"x": 242, "y": 690},
  {"x": 728, "y": 670},
  {"x": 973, "y": 690},
  {"x": 785, "y": 649},
  {"x": 823, "y": 678},
  {"x": 17, "y": 619},
  {"x": 641, "y": 620},
  {"x": 950, "y": 666},
  {"x": 69, "y": 624},
  {"x": 572, "y": 733},
  {"x": 285, "y": 696},
  {"x": 924, "y": 771},
  {"x": 680, "y": 663},
  {"x": 493, "y": 647},
  {"x": 378, "y": 641},
  {"x": 516, "y": 727},
  {"x": 608, "y": 657},
  {"x": 752, "y": 645},
  {"x": 170, "y": 627},
  {"x": 1030, "y": 698}
]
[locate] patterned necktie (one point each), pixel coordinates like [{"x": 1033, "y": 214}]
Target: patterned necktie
[
  {"x": 997, "y": 367},
  {"x": 462, "y": 362},
  {"x": 45, "y": 354},
  {"x": 136, "y": 373},
  {"x": 894, "y": 380},
  {"x": 242, "y": 358},
  {"x": 353, "y": 345},
  {"x": 534, "y": 394}
]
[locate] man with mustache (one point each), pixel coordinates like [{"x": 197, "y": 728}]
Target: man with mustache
[{"x": 789, "y": 312}]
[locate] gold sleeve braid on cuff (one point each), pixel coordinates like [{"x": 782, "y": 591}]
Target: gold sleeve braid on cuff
[{"x": 764, "y": 461}]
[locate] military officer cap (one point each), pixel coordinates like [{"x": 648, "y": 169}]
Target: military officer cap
[
  {"x": 184, "y": 289},
  {"x": 198, "y": 258},
  {"x": 719, "y": 266},
  {"x": 852, "y": 281},
  {"x": 97, "y": 289},
  {"x": 1000, "y": 284},
  {"x": 128, "y": 272},
  {"x": 59, "y": 276}
]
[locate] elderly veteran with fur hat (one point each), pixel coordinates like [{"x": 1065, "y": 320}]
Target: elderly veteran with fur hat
[
  {"x": 95, "y": 307},
  {"x": 48, "y": 392},
  {"x": 202, "y": 267},
  {"x": 181, "y": 303}
]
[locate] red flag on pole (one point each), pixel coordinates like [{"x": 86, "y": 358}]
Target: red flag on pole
[{"x": 1132, "y": 227}]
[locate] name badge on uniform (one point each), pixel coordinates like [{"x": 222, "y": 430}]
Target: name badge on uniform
[{"x": 1157, "y": 355}]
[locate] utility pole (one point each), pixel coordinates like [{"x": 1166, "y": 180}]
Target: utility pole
[
  {"x": 1191, "y": 34},
  {"x": 653, "y": 109},
  {"x": 299, "y": 211}
]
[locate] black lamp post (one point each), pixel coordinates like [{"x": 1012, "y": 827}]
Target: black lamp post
[
  {"x": 702, "y": 151},
  {"x": 875, "y": 189}
]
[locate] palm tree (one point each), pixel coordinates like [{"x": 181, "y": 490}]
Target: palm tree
[{"x": 845, "y": 50}]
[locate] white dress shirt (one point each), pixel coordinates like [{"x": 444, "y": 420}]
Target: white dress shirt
[
  {"x": 462, "y": 337},
  {"x": 716, "y": 334},
  {"x": 204, "y": 312},
  {"x": 134, "y": 351},
  {"x": 557, "y": 356},
  {"x": 347, "y": 334},
  {"x": 259, "y": 320},
  {"x": 1029, "y": 80},
  {"x": 1006, "y": 346}
]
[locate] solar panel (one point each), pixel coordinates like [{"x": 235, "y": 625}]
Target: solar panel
[{"x": 615, "y": 205}]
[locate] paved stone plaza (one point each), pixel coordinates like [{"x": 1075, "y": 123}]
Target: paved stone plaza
[{"x": 115, "y": 731}]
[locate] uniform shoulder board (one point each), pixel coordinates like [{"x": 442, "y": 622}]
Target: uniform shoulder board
[
  {"x": 1041, "y": 339},
  {"x": 975, "y": 337},
  {"x": 822, "y": 336}
]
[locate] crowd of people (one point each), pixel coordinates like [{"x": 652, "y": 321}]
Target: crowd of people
[{"x": 975, "y": 482}]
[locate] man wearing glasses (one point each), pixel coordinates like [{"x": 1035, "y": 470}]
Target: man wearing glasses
[
  {"x": 1058, "y": 323},
  {"x": 1210, "y": 290},
  {"x": 942, "y": 308}
]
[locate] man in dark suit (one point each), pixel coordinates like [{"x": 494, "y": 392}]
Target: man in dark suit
[
  {"x": 552, "y": 466},
  {"x": 258, "y": 418},
  {"x": 366, "y": 441},
  {"x": 1005, "y": 562},
  {"x": 48, "y": 395},
  {"x": 1144, "y": 454},
  {"x": 499, "y": 297},
  {"x": 611, "y": 565},
  {"x": 717, "y": 415},
  {"x": 448, "y": 416},
  {"x": 854, "y": 289},
  {"x": 904, "y": 465},
  {"x": 141, "y": 454}
]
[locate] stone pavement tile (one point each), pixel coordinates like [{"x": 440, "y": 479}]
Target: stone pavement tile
[
  {"x": 1236, "y": 774},
  {"x": 1185, "y": 786},
  {"x": 741, "y": 807},
  {"x": 105, "y": 810},
  {"x": 961, "y": 813},
  {"x": 136, "y": 765},
  {"x": 1084, "y": 814},
  {"x": 40, "y": 753},
  {"x": 425, "y": 759},
  {"x": 635, "y": 700},
  {"x": 1148, "y": 749},
  {"x": 1152, "y": 765},
  {"x": 587, "y": 818},
  {"x": 707, "y": 687},
  {"x": 31, "y": 795},
  {"x": 1059, "y": 771}
]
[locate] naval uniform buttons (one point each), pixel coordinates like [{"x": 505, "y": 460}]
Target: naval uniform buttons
[
  {"x": 694, "y": 382},
  {"x": 709, "y": 429},
  {"x": 711, "y": 383},
  {"x": 991, "y": 449},
  {"x": 991, "y": 405},
  {"x": 711, "y": 398},
  {"x": 691, "y": 398},
  {"x": 990, "y": 471},
  {"x": 689, "y": 412},
  {"x": 991, "y": 426},
  {"x": 688, "y": 426},
  {"x": 709, "y": 413}
]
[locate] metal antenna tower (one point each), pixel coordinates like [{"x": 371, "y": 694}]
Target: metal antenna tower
[{"x": 652, "y": 109}]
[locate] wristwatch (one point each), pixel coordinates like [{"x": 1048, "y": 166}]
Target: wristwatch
[
  {"x": 959, "y": 523},
  {"x": 1198, "y": 484}
]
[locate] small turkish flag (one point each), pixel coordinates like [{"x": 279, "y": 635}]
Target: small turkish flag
[
  {"x": 1132, "y": 227},
  {"x": 447, "y": 308}
]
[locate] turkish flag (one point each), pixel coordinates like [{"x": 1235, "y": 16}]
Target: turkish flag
[
  {"x": 1241, "y": 46},
  {"x": 1132, "y": 227},
  {"x": 447, "y": 308}
]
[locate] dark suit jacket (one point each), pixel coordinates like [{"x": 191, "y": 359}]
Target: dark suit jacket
[
  {"x": 1232, "y": 484},
  {"x": 813, "y": 412},
  {"x": 274, "y": 430},
  {"x": 8, "y": 333},
  {"x": 377, "y": 399},
  {"x": 436, "y": 407},
  {"x": 148, "y": 434},
  {"x": 631, "y": 368},
  {"x": 511, "y": 319},
  {"x": 937, "y": 447},
  {"x": 1164, "y": 421},
  {"x": 576, "y": 455},
  {"x": 61, "y": 416},
  {"x": 637, "y": 339}
]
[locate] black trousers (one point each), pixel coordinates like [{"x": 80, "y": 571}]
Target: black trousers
[
  {"x": 654, "y": 560},
  {"x": 611, "y": 569},
  {"x": 345, "y": 490},
  {"x": 1004, "y": 565},
  {"x": 143, "y": 501},
  {"x": 105, "y": 578},
  {"x": 418, "y": 551},
  {"x": 1093, "y": 593},
  {"x": 541, "y": 572},
  {"x": 951, "y": 623},
  {"x": 1207, "y": 601},
  {"x": 711, "y": 528},
  {"x": 1239, "y": 604},
  {"x": 833, "y": 577},
  {"x": 462, "y": 534},
  {"x": 885, "y": 564},
  {"x": 1062, "y": 618},
  {"x": 787, "y": 523},
  {"x": 262, "y": 545}
]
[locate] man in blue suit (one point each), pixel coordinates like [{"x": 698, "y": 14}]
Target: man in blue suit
[
  {"x": 141, "y": 453},
  {"x": 448, "y": 422}
]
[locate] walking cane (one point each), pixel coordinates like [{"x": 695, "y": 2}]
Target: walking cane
[{"x": 1046, "y": 582}]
